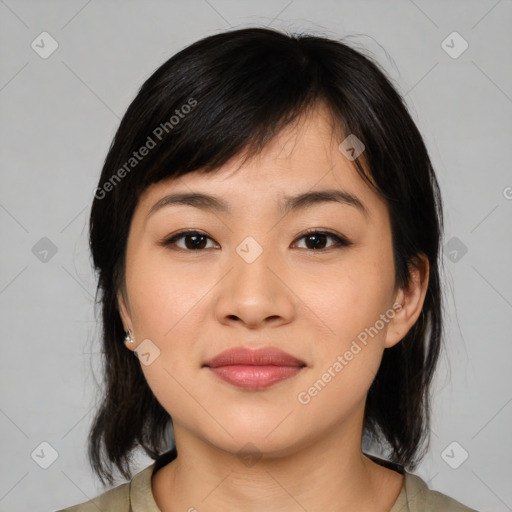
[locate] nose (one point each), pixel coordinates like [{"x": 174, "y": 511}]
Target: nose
[{"x": 255, "y": 294}]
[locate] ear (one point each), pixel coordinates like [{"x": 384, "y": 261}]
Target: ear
[
  {"x": 124, "y": 311},
  {"x": 411, "y": 300}
]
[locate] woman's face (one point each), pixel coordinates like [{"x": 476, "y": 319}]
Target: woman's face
[{"x": 256, "y": 280}]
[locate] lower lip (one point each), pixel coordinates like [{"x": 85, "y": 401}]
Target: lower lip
[{"x": 255, "y": 377}]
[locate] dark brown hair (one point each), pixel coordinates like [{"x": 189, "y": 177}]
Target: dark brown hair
[{"x": 240, "y": 88}]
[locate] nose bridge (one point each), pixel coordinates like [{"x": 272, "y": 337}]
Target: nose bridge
[
  {"x": 253, "y": 291},
  {"x": 251, "y": 272}
]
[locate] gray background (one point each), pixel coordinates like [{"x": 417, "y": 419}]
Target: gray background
[{"x": 58, "y": 116}]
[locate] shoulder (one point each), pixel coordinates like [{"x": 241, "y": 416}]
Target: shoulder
[
  {"x": 419, "y": 498},
  {"x": 116, "y": 499},
  {"x": 135, "y": 495},
  {"x": 123, "y": 497}
]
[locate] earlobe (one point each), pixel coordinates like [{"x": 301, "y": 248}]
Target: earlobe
[{"x": 411, "y": 300}]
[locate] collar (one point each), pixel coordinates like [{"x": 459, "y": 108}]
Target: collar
[{"x": 142, "y": 499}]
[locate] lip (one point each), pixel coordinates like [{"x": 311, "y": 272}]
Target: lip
[{"x": 254, "y": 369}]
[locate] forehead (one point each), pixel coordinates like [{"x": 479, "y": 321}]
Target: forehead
[{"x": 303, "y": 157}]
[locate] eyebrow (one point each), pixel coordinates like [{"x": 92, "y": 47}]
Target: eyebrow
[{"x": 288, "y": 204}]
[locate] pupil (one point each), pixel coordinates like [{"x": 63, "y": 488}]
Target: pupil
[
  {"x": 195, "y": 245},
  {"x": 317, "y": 237}
]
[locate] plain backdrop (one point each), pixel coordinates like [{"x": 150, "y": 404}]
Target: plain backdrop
[{"x": 59, "y": 112}]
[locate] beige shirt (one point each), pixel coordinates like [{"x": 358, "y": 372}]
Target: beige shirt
[{"x": 136, "y": 496}]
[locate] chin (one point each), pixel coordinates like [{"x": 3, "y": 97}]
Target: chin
[
  {"x": 266, "y": 434},
  {"x": 256, "y": 445}
]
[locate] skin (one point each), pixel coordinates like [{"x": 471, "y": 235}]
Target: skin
[{"x": 311, "y": 303}]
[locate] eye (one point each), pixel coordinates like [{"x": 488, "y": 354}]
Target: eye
[
  {"x": 316, "y": 240},
  {"x": 197, "y": 241},
  {"x": 194, "y": 240}
]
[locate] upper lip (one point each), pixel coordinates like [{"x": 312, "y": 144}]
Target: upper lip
[{"x": 265, "y": 356}]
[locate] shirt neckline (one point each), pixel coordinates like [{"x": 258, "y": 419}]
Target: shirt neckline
[{"x": 142, "y": 500}]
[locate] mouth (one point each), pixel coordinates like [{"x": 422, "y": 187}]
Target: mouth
[{"x": 254, "y": 369}]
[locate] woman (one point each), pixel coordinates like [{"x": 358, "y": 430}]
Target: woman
[{"x": 266, "y": 231}]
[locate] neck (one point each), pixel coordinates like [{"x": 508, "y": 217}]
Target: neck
[{"x": 327, "y": 475}]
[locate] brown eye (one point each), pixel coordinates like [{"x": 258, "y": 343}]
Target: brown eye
[
  {"x": 316, "y": 240},
  {"x": 193, "y": 240}
]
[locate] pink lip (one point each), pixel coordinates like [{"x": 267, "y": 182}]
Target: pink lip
[{"x": 254, "y": 369}]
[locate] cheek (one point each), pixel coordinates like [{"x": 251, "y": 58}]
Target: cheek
[
  {"x": 164, "y": 298},
  {"x": 350, "y": 297},
  {"x": 338, "y": 389},
  {"x": 165, "y": 307},
  {"x": 348, "y": 358},
  {"x": 352, "y": 304}
]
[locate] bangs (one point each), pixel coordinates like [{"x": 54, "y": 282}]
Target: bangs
[{"x": 227, "y": 101}]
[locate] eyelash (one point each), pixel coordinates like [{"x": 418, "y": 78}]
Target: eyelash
[{"x": 341, "y": 242}]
